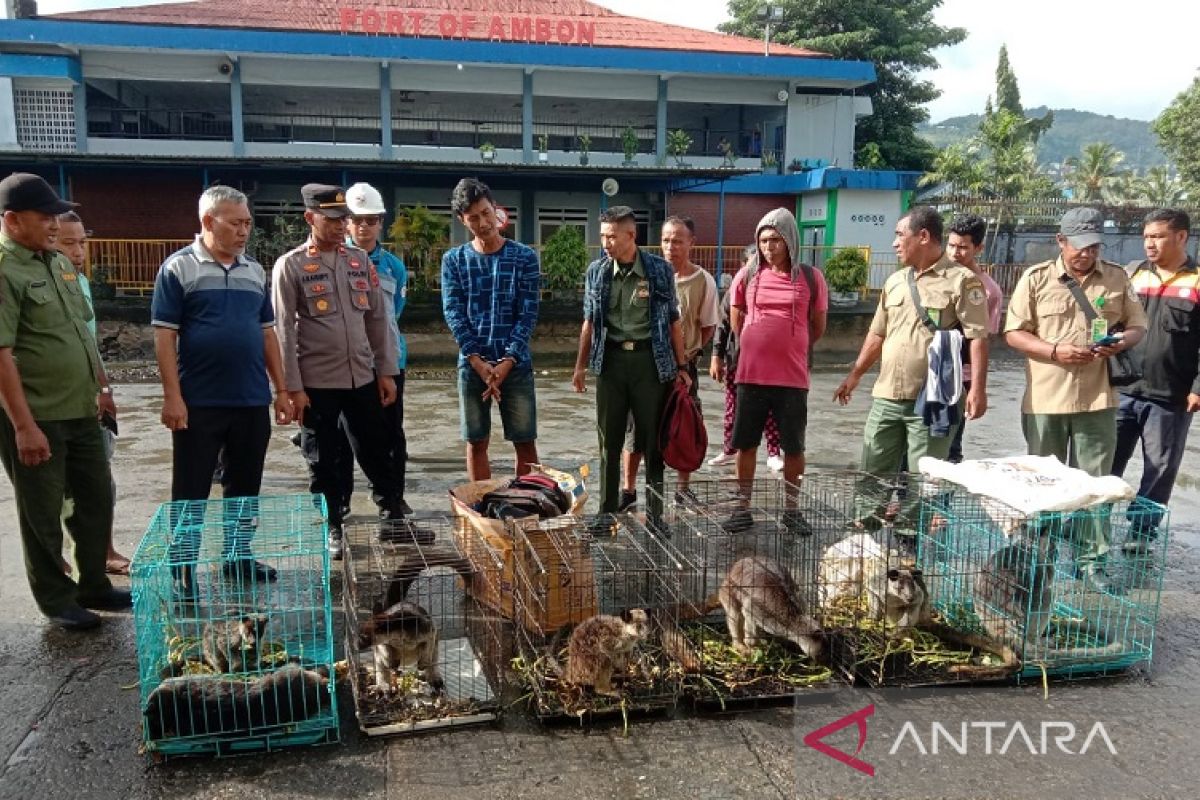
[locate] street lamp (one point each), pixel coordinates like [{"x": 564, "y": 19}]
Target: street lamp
[{"x": 769, "y": 15}]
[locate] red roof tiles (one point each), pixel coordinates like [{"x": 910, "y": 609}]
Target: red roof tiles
[{"x": 561, "y": 21}]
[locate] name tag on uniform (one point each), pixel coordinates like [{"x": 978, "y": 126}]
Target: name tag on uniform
[
  {"x": 37, "y": 284},
  {"x": 311, "y": 267},
  {"x": 643, "y": 290}
]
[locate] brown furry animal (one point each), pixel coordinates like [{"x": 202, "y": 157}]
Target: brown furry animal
[
  {"x": 602, "y": 646},
  {"x": 231, "y": 645},
  {"x": 760, "y": 597},
  {"x": 402, "y": 636}
]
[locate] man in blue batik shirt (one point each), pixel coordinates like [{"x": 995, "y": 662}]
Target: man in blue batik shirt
[
  {"x": 491, "y": 289},
  {"x": 366, "y": 224}
]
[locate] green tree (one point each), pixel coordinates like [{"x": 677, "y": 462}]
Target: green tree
[
  {"x": 1089, "y": 173},
  {"x": 564, "y": 258},
  {"x": 898, "y": 38},
  {"x": 1158, "y": 188},
  {"x": 1179, "y": 135},
  {"x": 419, "y": 236},
  {"x": 268, "y": 242},
  {"x": 1008, "y": 98}
]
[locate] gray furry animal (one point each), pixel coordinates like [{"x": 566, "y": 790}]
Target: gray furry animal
[
  {"x": 858, "y": 565},
  {"x": 420, "y": 559},
  {"x": 232, "y": 645},
  {"x": 760, "y": 597},
  {"x": 402, "y": 636},
  {"x": 905, "y": 603},
  {"x": 210, "y": 704},
  {"x": 602, "y": 646}
]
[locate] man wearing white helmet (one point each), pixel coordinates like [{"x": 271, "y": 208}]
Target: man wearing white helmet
[{"x": 367, "y": 213}]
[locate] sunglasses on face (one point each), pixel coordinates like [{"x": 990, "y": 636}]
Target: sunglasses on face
[{"x": 366, "y": 220}]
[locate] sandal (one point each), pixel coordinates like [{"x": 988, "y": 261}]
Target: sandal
[{"x": 117, "y": 566}]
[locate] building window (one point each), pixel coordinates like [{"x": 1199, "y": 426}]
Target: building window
[
  {"x": 551, "y": 219},
  {"x": 45, "y": 119}
]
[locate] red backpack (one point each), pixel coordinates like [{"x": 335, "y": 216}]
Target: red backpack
[{"x": 682, "y": 437}]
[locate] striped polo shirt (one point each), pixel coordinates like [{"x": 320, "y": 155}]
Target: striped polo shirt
[{"x": 220, "y": 314}]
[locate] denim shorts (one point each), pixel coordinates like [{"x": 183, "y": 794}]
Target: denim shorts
[{"x": 518, "y": 406}]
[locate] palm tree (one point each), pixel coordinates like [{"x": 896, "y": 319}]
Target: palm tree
[
  {"x": 1160, "y": 189},
  {"x": 1089, "y": 173}
]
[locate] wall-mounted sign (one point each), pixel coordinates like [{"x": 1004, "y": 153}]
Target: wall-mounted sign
[
  {"x": 544, "y": 30},
  {"x": 868, "y": 219}
]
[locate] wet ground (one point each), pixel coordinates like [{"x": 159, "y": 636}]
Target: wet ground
[{"x": 71, "y": 724}]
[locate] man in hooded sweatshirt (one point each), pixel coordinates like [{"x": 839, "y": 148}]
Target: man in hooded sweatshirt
[
  {"x": 778, "y": 312},
  {"x": 952, "y": 297}
]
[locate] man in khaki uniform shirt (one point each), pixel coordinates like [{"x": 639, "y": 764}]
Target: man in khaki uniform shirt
[
  {"x": 954, "y": 297},
  {"x": 338, "y": 352},
  {"x": 1070, "y": 409}
]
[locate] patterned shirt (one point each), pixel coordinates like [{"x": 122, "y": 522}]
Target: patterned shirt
[
  {"x": 1170, "y": 350},
  {"x": 491, "y": 300}
]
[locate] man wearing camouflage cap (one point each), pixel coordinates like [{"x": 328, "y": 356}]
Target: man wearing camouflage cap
[{"x": 1070, "y": 408}]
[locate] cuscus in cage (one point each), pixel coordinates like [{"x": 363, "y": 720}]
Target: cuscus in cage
[
  {"x": 612, "y": 644},
  {"x": 233, "y": 621},
  {"x": 417, "y": 644}
]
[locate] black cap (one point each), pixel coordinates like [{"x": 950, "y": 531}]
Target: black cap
[
  {"x": 325, "y": 199},
  {"x": 1083, "y": 227},
  {"x": 24, "y": 191}
]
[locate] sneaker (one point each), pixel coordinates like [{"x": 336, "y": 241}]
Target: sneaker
[
  {"x": 75, "y": 618},
  {"x": 404, "y": 531},
  {"x": 397, "y": 510},
  {"x": 112, "y": 600},
  {"x": 740, "y": 520},
  {"x": 721, "y": 459},
  {"x": 335, "y": 542},
  {"x": 794, "y": 521},
  {"x": 628, "y": 501},
  {"x": 686, "y": 498},
  {"x": 775, "y": 463},
  {"x": 245, "y": 570}
]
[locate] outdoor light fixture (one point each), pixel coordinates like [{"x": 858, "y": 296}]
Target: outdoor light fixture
[{"x": 769, "y": 15}]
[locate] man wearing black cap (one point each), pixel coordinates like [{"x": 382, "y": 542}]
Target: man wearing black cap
[
  {"x": 49, "y": 439},
  {"x": 339, "y": 355},
  {"x": 1069, "y": 316}
]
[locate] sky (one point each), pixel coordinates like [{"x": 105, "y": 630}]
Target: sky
[{"x": 1107, "y": 56}]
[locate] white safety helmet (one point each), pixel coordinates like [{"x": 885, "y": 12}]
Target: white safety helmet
[{"x": 363, "y": 198}]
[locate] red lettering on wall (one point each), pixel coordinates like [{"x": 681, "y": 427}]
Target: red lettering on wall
[
  {"x": 447, "y": 25},
  {"x": 541, "y": 27},
  {"x": 496, "y": 28},
  {"x": 382, "y": 20},
  {"x": 466, "y": 24},
  {"x": 586, "y": 32},
  {"x": 395, "y": 22},
  {"x": 371, "y": 22},
  {"x": 521, "y": 28},
  {"x": 564, "y": 29},
  {"x": 416, "y": 17},
  {"x": 346, "y": 19}
]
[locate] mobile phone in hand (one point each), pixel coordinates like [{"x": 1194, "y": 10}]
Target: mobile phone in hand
[{"x": 109, "y": 422}]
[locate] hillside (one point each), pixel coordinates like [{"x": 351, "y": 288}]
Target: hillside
[{"x": 1071, "y": 131}]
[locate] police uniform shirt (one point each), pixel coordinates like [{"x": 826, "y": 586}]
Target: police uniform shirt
[
  {"x": 1043, "y": 305},
  {"x": 331, "y": 319},
  {"x": 952, "y": 294}
]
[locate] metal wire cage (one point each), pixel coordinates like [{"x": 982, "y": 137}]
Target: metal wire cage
[
  {"x": 421, "y": 651},
  {"x": 1066, "y": 594},
  {"x": 228, "y": 663},
  {"x": 598, "y": 602},
  {"x": 754, "y": 552}
]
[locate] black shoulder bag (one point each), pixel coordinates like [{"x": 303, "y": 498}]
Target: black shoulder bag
[
  {"x": 1122, "y": 370},
  {"x": 926, "y": 320}
]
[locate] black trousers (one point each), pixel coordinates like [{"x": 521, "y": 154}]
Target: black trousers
[
  {"x": 364, "y": 420},
  {"x": 393, "y": 416},
  {"x": 243, "y": 433}
]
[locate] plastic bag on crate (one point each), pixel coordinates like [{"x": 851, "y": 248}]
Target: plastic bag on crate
[{"x": 1031, "y": 484}]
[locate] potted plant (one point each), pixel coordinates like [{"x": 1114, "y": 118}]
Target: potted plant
[
  {"x": 796, "y": 166},
  {"x": 678, "y": 144},
  {"x": 585, "y": 147},
  {"x": 564, "y": 260},
  {"x": 846, "y": 275},
  {"x": 487, "y": 151},
  {"x": 543, "y": 148},
  {"x": 629, "y": 143},
  {"x": 770, "y": 163}
]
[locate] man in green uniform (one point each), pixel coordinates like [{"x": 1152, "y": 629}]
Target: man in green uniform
[{"x": 49, "y": 440}]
